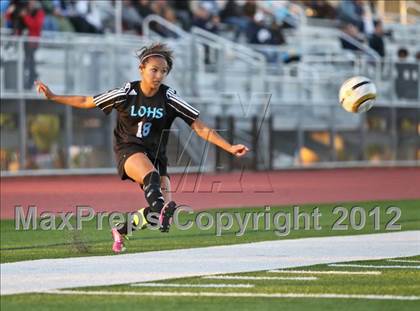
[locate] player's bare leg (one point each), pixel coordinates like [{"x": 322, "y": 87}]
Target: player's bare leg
[
  {"x": 140, "y": 169},
  {"x": 137, "y": 166},
  {"x": 165, "y": 185},
  {"x": 170, "y": 206}
]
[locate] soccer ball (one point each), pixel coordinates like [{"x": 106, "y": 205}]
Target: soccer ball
[{"x": 357, "y": 94}]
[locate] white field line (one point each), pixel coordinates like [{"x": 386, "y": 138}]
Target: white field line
[
  {"x": 233, "y": 295},
  {"x": 326, "y": 272},
  {"x": 298, "y": 254},
  {"x": 193, "y": 285},
  {"x": 373, "y": 266},
  {"x": 228, "y": 277},
  {"x": 404, "y": 261}
]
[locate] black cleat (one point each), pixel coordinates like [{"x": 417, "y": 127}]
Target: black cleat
[{"x": 166, "y": 214}]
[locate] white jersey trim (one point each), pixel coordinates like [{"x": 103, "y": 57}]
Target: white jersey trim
[
  {"x": 190, "y": 117},
  {"x": 171, "y": 96}
]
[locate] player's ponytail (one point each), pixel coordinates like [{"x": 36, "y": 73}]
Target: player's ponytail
[{"x": 155, "y": 49}]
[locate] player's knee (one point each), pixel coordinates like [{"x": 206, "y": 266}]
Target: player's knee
[{"x": 153, "y": 192}]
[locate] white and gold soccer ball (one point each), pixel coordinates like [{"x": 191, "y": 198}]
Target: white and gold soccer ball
[{"x": 357, "y": 94}]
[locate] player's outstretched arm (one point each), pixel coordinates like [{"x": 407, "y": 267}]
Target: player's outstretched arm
[
  {"x": 211, "y": 136},
  {"x": 70, "y": 100}
]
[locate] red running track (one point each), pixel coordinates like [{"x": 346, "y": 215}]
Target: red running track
[{"x": 109, "y": 193}]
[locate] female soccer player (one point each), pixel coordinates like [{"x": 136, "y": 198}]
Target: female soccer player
[{"x": 146, "y": 110}]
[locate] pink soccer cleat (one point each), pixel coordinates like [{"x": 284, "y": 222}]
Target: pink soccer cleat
[{"x": 118, "y": 245}]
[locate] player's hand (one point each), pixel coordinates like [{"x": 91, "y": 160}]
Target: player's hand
[
  {"x": 42, "y": 88},
  {"x": 239, "y": 150}
]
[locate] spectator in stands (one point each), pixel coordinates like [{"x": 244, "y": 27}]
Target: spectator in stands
[
  {"x": 62, "y": 13},
  {"x": 13, "y": 16},
  {"x": 376, "y": 40},
  {"x": 27, "y": 16},
  {"x": 205, "y": 19},
  {"x": 131, "y": 18},
  {"x": 354, "y": 34},
  {"x": 106, "y": 11},
  {"x": 33, "y": 19},
  {"x": 406, "y": 76},
  {"x": 55, "y": 19},
  {"x": 158, "y": 6},
  {"x": 402, "y": 54},
  {"x": 249, "y": 9},
  {"x": 284, "y": 12},
  {"x": 418, "y": 56},
  {"x": 321, "y": 9},
  {"x": 271, "y": 34},
  {"x": 183, "y": 13},
  {"x": 351, "y": 12},
  {"x": 161, "y": 8},
  {"x": 3, "y": 8},
  {"x": 255, "y": 17},
  {"x": 264, "y": 30},
  {"x": 50, "y": 22},
  {"x": 143, "y": 7},
  {"x": 212, "y": 6},
  {"x": 168, "y": 13},
  {"x": 232, "y": 15},
  {"x": 84, "y": 16}
]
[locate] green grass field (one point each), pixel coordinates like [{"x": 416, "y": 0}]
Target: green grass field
[
  {"x": 391, "y": 282},
  {"x": 17, "y": 245},
  {"x": 398, "y": 280},
  {"x": 36, "y": 244}
]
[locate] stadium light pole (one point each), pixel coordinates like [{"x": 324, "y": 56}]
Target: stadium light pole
[{"x": 118, "y": 17}]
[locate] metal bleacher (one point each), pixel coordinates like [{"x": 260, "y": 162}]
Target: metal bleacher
[{"x": 219, "y": 76}]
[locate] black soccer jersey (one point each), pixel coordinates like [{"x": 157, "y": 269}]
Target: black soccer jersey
[{"x": 145, "y": 120}]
